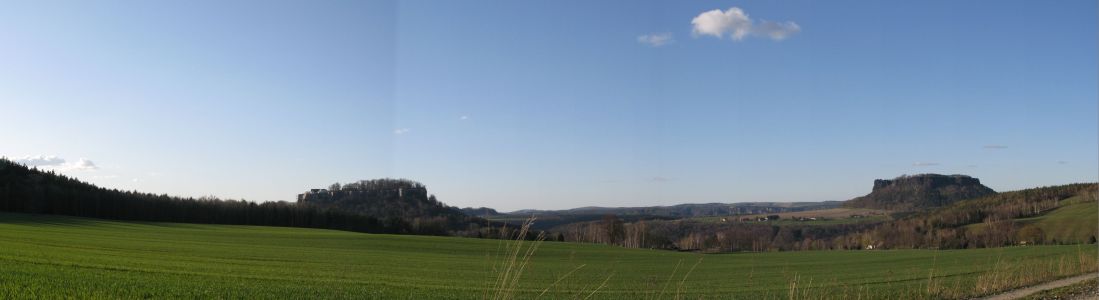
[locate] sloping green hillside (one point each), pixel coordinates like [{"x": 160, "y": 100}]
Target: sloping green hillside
[
  {"x": 55, "y": 256},
  {"x": 1075, "y": 222}
]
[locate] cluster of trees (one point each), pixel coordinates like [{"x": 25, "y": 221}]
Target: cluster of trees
[
  {"x": 689, "y": 235},
  {"x": 29, "y": 190}
]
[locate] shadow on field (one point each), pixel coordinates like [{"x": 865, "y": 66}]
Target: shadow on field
[
  {"x": 63, "y": 220},
  {"x": 39, "y": 219}
]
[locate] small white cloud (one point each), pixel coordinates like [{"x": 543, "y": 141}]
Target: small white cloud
[
  {"x": 925, "y": 164},
  {"x": 995, "y": 147},
  {"x": 40, "y": 160},
  {"x": 135, "y": 180},
  {"x": 463, "y": 118},
  {"x": 736, "y": 24},
  {"x": 656, "y": 39},
  {"x": 400, "y": 131},
  {"x": 80, "y": 165}
]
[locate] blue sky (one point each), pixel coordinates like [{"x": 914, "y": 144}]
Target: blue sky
[{"x": 552, "y": 104}]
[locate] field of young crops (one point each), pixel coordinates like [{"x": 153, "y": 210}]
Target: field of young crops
[{"x": 53, "y": 256}]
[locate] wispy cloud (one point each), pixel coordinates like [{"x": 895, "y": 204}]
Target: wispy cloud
[
  {"x": 995, "y": 147},
  {"x": 655, "y": 39},
  {"x": 736, "y": 24},
  {"x": 400, "y": 131},
  {"x": 463, "y": 118},
  {"x": 925, "y": 164},
  {"x": 660, "y": 179}
]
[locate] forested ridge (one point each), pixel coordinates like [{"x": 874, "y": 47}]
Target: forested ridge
[{"x": 29, "y": 190}]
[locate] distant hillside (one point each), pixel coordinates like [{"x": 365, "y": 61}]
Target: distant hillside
[
  {"x": 548, "y": 219},
  {"x": 920, "y": 192},
  {"x": 1044, "y": 215},
  {"x": 480, "y": 212},
  {"x": 690, "y": 210}
]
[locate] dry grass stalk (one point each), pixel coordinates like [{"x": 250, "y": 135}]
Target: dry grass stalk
[{"x": 510, "y": 269}]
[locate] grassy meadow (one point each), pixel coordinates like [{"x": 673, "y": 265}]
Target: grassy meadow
[{"x": 66, "y": 257}]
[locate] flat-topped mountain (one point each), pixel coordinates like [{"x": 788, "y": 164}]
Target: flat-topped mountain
[
  {"x": 381, "y": 198},
  {"x": 909, "y": 192}
]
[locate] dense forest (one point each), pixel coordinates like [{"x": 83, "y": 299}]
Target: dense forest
[{"x": 29, "y": 190}]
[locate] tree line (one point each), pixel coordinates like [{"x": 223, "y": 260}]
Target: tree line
[{"x": 29, "y": 190}]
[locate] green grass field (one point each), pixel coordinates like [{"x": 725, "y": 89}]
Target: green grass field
[{"x": 65, "y": 257}]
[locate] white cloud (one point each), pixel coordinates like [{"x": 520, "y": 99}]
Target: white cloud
[
  {"x": 56, "y": 163},
  {"x": 80, "y": 165},
  {"x": 656, "y": 39},
  {"x": 463, "y": 118},
  {"x": 925, "y": 164},
  {"x": 400, "y": 131},
  {"x": 40, "y": 160},
  {"x": 736, "y": 24}
]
